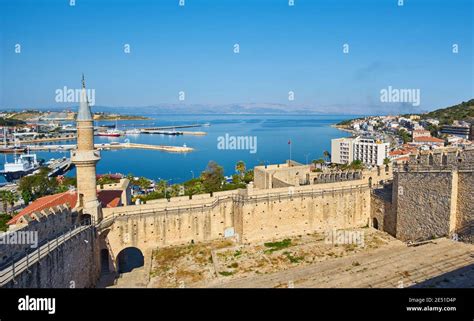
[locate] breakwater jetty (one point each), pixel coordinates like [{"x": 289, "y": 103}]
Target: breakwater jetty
[{"x": 110, "y": 146}]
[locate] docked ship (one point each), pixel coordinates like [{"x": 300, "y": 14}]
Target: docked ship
[
  {"x": 162, "y": 132},
  {"x": 21, "y": 166},
  {"x": 12, "y": 150},
  {"x": 5, "y": 149},
  {"x": 110, "y": 133}
]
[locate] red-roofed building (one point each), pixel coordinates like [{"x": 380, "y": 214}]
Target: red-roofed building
[
  {"x": 428, "y": 140},
  {"x": 67, "y": 198},
  {"x": 110, "y": 198},
  {"x": 402, "y": 153},
  {"x": 107, "y": 197},
  {"x": 421, "y": 133}
]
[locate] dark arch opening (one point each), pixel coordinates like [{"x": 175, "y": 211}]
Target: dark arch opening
[
  {"x": 375, "y": 223},
  {"x": 86, "y": 219},
  {"x": 104, "y": 261},
  {"x": 130, "y": 258},
  {"x": 370, "y": 181}
]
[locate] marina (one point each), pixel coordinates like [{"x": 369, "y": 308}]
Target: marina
[
  {"x": 114, "y": 145},
  {"x": 179, "y": 157},
  {"x": 174, "y": 127},
  {"x": 59, "y": 166}
]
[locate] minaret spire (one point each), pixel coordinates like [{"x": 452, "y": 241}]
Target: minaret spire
[
  {"x": 85, "y": 157},
  {"x": 84, "y": 112}
]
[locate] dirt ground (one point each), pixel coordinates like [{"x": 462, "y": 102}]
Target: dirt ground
[{"x": 216, "y": 263}]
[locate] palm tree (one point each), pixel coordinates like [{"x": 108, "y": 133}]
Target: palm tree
[
  {"x": 12, "y": 199},
  {"x": 318, "y": 162},
  {"x": 327, "y": 155},
  {"x": 4, "y": 200},
  {"x": 8, "y": 198},
  {"x": 240, "y": 167}
]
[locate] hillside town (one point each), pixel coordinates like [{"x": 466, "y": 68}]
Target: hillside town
[{"x": 380, "y": 139}]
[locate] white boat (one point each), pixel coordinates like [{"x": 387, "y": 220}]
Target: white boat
[
  {"x": 21, "y": 166},
  {"x": 110, "y": 133}
]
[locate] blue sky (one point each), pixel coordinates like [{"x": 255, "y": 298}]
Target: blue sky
[{"x": 282, "y": 48}]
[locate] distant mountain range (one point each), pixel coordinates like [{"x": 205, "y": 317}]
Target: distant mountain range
[
  {"x": 212, "y": 109},
  {"x": 260, "y": 108},
  {"x": 256, "y": 108}
]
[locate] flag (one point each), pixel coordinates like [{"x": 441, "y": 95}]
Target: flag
[{"x": 289, "y": 142}]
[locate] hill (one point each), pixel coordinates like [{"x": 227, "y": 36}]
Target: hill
[
  {"x": 463, "y": 111},
  {"x": 11, "y": 122}
]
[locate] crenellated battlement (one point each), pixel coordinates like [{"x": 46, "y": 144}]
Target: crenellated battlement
[
  {"x": 443, "y": 157},
  {"x": 36, "y": 228}
]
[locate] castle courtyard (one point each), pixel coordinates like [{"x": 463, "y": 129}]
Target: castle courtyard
[{"x": 309, "y": 261}]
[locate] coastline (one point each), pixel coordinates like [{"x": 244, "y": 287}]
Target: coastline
[{"x": 344, "y": 129}]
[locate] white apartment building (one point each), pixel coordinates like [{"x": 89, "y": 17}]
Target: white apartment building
[
  {"x": 341, "y": 150},
  {"x": 369, "y": 150}
]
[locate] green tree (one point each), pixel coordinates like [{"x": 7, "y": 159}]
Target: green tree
[
  {"x": 240, "y": 168},
  {"x": 38, "y": 185},
  {"x": 107, "y": 179},
  {"x": 356, "y": 164},
  {"x": 197, "y": 188},
  {"x": 248, "y": 177},
  {"x": 12, "y": 198},
  {"x": 386, "y": 161},
  {"x": 327, "y": 155},
  {"x": 318, "y": 162},
  {"x": 4, "y": 200},
  {"x": 4, "y": 218},
  {"x": 404, "y": 135},
  {"x": 212, "y": 177}
]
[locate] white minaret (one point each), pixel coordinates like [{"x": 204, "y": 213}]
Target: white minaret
[{"x": 85, "y": 157}]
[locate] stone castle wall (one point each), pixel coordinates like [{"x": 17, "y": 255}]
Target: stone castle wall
[
  {"x": 423, "y": 201},
  {"x": 434, "y": 195},
  {"x": 382, "y": 212},
  {"x": 301, "y": 212},
  {"x": 45, "y": 225},
  {"x": 250, "y": 215},
  {"x": 465, "y": 206},
  {"x": 74, "y": 264}
]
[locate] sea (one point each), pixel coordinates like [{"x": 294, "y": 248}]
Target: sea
[{"x": 264, "y": 139}]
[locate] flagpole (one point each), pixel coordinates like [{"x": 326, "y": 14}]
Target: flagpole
[{"x": 289, "y": 143}]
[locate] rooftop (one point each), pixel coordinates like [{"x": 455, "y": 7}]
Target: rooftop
[
  {"x": 108, "y": 198},
  {"x": 428, "y": 139}
]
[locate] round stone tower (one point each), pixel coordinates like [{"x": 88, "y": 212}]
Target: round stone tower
[{"x": 85, "y": 158}]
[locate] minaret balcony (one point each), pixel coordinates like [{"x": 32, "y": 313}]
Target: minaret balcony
[{"x": 85, "y": 156}]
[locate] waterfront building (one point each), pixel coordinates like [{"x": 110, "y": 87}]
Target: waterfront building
[
  {"x": 369, "y": 150},
  {"x": 460, "y": 129},
  {"x": 342, "y": 150}
]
